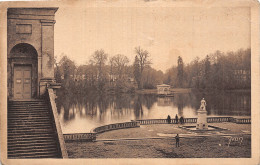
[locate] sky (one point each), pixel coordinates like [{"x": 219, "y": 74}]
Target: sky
[{"x": 165, "y": 32}]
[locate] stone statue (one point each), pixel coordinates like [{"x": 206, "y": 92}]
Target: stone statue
[{"x": 203, "y": 104}]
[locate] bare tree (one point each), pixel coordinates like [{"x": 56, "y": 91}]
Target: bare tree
[
  {"x": 118, "y": 64},
  {"x": 98, "y": 60},
  {"x": 143, "y": 58}
]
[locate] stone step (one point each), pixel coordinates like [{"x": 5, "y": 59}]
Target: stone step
[
  {"x": 27, "y": 109},
  {"x": 26, "y": 106},
  {"x": 28, "y": 115},
  {"x": 28, "y": 118},
  {"x": 38, "y": 124},
  {"x": 27, "y": 144},
  {"x": 34, "y": 125},
  {"x": 28, "y": 123},
  {"x": 42, "y": 112},
  {"x": 29, "y": 132},
  {"x": 25, "y": 136},
  {"x": 36, "y": 154},
  {"x": 26, "y": 102},
  {"x": 21, "y": 124},
  {"x": 29, "y": 128},
  {"x": 32, "y": 156},
  {"x": 30, "y": 147},
  {"x": 30, "y": 150},
  {"x": 31, "y": 142}
]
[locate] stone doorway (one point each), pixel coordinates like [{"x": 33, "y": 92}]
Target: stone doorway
[{"x": 23, "y": 71}]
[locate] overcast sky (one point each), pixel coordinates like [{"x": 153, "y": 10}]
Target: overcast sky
[{"x": 166, "y": 32}]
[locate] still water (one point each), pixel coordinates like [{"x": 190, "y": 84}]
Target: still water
[{"x": 80, "y": 113}]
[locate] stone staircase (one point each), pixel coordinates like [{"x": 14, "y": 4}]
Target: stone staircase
[{"x": 31, "y": 130}]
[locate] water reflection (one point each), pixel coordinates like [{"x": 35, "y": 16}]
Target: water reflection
[{"x": 81, "y": 113}]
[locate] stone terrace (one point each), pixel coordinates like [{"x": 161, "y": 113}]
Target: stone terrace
[{"x": 157, "y": 141}]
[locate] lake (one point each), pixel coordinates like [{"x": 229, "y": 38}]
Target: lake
[{"x": 81, "y": 113}]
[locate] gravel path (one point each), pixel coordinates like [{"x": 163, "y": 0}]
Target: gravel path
[{"x": 205, "y": 147}]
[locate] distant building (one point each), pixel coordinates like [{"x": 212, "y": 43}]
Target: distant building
[{"x": 163, "y": 89}]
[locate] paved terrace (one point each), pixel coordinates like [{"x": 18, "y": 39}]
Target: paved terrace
[{"x": 157, "y": 141}]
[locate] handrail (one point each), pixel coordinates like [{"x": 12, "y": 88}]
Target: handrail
[{"x": 57, "y": 122}]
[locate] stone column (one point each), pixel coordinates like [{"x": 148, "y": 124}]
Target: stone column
[{"x": 47, "y": 62}]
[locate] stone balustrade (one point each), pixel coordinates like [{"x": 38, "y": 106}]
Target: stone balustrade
[
  {"x": 165, "y": 121},
  {"x": 194, "y": 120},
  {"x": 115, "y": 126},
  {"x": 153, "y": 121},
  {"x": 190, "y": 120},
  {"x": 243, "y": 121},
  {"x": 80, "y": 137},
  {"x": 219, "y": 119}
]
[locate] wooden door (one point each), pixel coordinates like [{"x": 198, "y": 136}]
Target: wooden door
[{"x": 22, "y": 82}]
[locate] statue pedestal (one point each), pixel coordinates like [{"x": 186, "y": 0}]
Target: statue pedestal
[{"x": 202, "y": 123}]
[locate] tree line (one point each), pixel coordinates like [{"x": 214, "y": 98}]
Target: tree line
[
  {"x": 219, "y": 70},
  {"x": 102, "y": 73}
]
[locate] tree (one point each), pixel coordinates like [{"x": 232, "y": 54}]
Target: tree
[
  {"x": 57, "y": 71},
  {"x": 67, "y": 68},
  {"x": 99, "y": 59},
  {"x": 180, "y": 72},
  {"x": 152, "y": 77},
  {"x": 207, "y": 72},
  {"x": 137, "y": 72},
  {"x": 118, "y": 76},
  {"x": 144, "y": 61},
  {"x": 118, "y": 64}
]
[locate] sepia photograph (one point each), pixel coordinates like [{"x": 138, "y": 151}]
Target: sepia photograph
[{"x": 130, "y": 80}]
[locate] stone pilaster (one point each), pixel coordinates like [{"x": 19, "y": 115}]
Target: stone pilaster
[{"x": 47, "y": 59}]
